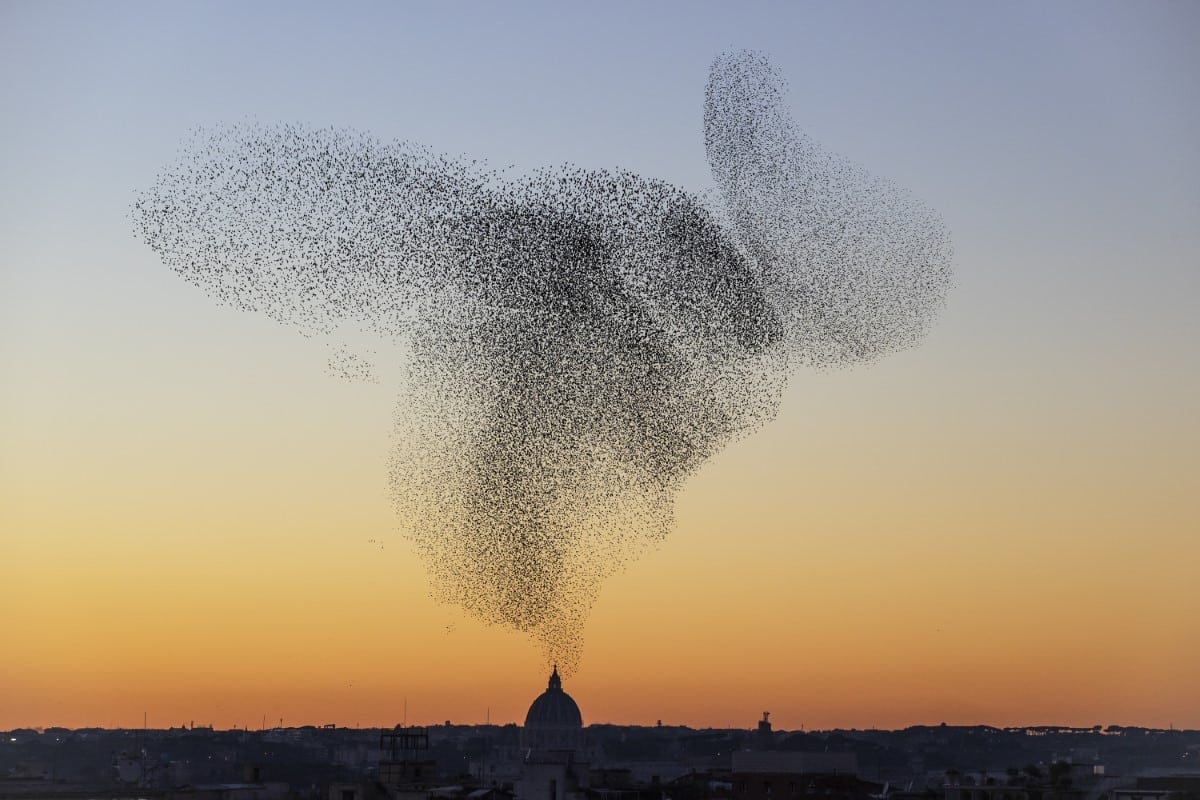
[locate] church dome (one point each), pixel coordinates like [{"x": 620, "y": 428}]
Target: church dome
[
  {"x": 553, "y": 721},
  {"x": 554, "y": 708}
]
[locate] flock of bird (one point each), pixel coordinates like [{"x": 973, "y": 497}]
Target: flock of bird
[{"x": 581, "y": 341}]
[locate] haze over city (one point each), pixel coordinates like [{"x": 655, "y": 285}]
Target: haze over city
[{"x": 997, "y": 525}]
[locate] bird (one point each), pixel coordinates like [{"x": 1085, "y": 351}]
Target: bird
[{"x": 579, "y": 341}]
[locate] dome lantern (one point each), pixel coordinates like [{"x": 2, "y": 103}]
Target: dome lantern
[{"x": 553, "y": 721}]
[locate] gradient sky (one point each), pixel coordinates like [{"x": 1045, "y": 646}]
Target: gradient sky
[{"x": 999, "y": 526}]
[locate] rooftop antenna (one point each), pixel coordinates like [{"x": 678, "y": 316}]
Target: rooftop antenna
[{"x": 142, "y": 752}]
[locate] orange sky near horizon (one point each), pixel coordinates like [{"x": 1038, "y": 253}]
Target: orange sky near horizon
[{"x": 850, "y": 566}]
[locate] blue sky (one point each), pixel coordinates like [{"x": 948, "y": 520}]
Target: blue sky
[{"x": 1049, "y": 131}]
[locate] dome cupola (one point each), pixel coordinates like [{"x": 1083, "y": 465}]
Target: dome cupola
[{"x": 553, "y": 721}]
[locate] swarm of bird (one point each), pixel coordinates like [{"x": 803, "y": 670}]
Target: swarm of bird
[{"x": 581, "y": 341}]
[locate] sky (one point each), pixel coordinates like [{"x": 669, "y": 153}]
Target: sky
[{"x": 999, "y": 526}]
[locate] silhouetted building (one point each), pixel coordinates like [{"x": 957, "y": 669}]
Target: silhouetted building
[
  {"x": 783, "y": 775},
  {"x": 553, "y": 722},
  {"x": 555, "y": 763},
  {"x": 406, "y": 761}
]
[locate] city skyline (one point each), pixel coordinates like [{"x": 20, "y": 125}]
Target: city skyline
[{"x": 998, "y": 526}]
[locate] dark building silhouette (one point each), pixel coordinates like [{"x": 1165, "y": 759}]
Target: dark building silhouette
[
  {"x": 555, "y": 765},
  {"x": 553, "y": 722}
]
